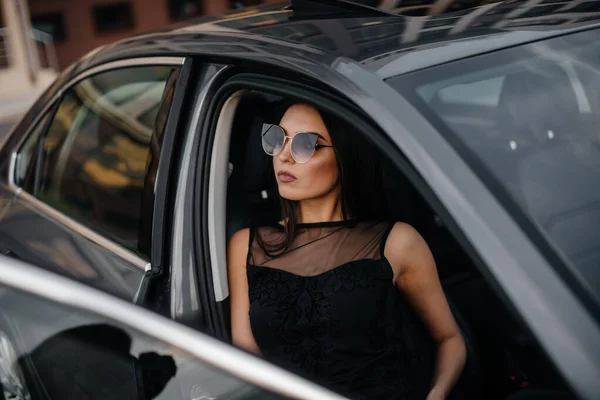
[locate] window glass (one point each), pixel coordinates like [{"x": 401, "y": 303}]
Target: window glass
[
  {"x": 51, "y": 23},
  {"x": 50, "y": 350},
  {"x": 97, "y": 149},
  {"x": 484, "y": 93},
  {"x": 25, "y": 171},
  {"x": 527, "y": 119},
  {"x": 181, "y": 9},
  {"x": 114, "y": 17}
]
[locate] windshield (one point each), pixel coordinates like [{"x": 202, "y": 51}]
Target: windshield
[{"x": 527, "y": 119}]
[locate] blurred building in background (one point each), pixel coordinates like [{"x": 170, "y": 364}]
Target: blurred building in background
[
  {"x": 28, "y": 62},
  {"x": 38, "y": 38},
  {"x": 79, "y": 26}
]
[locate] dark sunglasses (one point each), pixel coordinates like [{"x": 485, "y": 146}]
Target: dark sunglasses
[{"x": 302, "y": 144}]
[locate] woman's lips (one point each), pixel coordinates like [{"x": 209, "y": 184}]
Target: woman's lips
[{"x": 285, "y": 177}]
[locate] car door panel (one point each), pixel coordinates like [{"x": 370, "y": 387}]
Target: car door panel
[
  {"x": 73, "y": 345},
  {"x": 188, "y": 286},
  {"x": 89, "y": 213},
  {"x": 36, "y": 238}
]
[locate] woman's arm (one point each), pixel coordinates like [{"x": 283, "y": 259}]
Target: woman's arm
[
  {"x": 237, "y": 253},
  {"x": 416, "y": 275}
]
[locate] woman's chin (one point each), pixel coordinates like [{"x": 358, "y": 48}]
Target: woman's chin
[{"x": 289, "y": 194}]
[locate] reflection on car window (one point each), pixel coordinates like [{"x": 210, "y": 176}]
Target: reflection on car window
[
  {"x": 530, "y": 116},
  {"x": 48, "y": 350},
  {"x": 97, "y": 150},
  {"x": 484, "y": 93},
  {"x": 25, "y": 173}
]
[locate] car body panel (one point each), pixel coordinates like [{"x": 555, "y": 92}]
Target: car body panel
[
  {"x": 566, "y": 330},
  {"x": 35, "y": 237},
  {"x": 189, "y": 298},
  {"x": 36, "y": 233}
]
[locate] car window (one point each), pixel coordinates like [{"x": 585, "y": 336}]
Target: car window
[
  {"x": 526, "y": 118},
  {"x": 480, "y": 93},
  {"x": 97, "y": 150},
  {"x": 25, "y": 173},
  {"x": 49, "y": 350}
]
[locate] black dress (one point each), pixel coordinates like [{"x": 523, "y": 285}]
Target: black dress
[{"x": 327, "y": 309}]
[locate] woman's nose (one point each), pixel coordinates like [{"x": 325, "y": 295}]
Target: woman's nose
[{"x": 285, "y": 156}]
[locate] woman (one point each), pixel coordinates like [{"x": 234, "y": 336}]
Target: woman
[{"x": 329, "y": 292}]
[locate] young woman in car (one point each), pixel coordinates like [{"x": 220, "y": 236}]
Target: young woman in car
[{"x": 334, "y": 292}]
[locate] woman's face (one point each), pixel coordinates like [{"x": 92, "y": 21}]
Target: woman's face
[{"x": 319, "y": 176}]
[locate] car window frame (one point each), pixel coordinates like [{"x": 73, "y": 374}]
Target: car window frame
[
  {"x": 31, "y": 200},
  {"x": 216, "y": 354}
]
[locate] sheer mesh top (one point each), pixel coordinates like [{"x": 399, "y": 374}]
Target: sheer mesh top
[
  {"x": 327, "y": 309},
  {"x": 320, "y": 247}
]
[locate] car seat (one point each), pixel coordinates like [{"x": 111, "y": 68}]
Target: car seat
[
  {"x": 250, "y": 190},
  {"x": 555, "y": 178},
  {"x": 532, "y": 106}
]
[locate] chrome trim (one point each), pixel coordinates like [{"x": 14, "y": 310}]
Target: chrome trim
[
  {"x": 94, "y": 237},
  {"x": 11, "y": 171},
  {"x": 56, "y": 215},
  {"x": 217, "y": 196},
  {"x": 218, "y": 354}
]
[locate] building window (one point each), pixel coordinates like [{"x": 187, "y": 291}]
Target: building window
[
  {"x": 182, "y": 9},
  {"x": 51, "y": 23},
  {"x": 244, "y": 3},
  {"x": 114, "y": 17}
]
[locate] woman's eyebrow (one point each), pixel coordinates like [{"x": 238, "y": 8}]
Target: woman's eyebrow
[
  {"x": 314, "y": 133},
  {"x": 319, "y": 135}
]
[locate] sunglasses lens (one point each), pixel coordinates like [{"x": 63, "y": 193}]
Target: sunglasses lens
[
  {"x": 303, "y": 146},
  {"x": 272, "y": 139}
]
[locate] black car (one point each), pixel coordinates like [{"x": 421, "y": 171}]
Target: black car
[{"x": 135, "y": 167}]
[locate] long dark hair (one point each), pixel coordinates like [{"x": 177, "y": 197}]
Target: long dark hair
[{"x": 361, "y": 180}]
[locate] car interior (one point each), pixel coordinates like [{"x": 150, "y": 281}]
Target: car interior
[
  {"x": 539, "y": 134},
  {"x": 504, "y": 360}
]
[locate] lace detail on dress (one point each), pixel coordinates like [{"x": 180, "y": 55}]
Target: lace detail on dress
[
  {"x": 320, "y": 247},
  {"x": 327, "y": 309}
]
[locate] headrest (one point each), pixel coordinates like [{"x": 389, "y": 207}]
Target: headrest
[
  {"x": 249, "y": 115},
  {"x": 539, "y": 99}
]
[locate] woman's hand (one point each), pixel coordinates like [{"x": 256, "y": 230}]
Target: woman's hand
[{"x": 436, "y": 394}]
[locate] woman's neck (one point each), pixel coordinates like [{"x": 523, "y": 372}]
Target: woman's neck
[{"x": 324, "y": 209}]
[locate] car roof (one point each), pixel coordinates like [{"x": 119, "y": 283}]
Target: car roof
[{"x": 389, "y": 45}]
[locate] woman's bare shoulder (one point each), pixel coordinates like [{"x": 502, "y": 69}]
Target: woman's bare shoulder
[
  {"x": 403, "y": 244},
  {"x": 241, "y": 237},
  {"x": 238, "y": 246},
  {"x": 403, "y": 234}
]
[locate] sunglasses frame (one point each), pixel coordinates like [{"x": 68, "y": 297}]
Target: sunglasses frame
[{"x": 291, "y": 139}]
